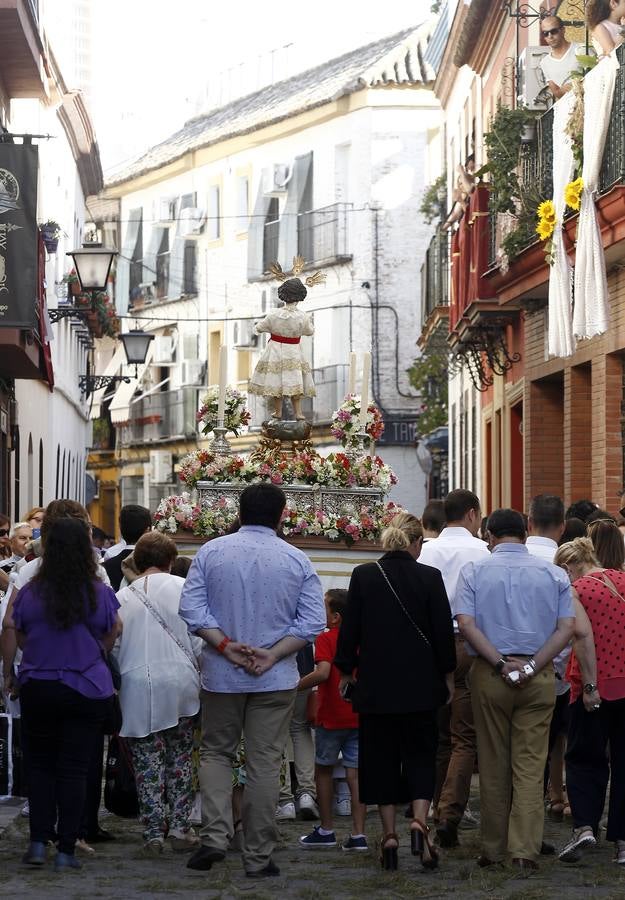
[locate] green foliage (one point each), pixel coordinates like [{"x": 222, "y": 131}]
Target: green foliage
[
  {"x": 430, "y": 207},
  {"x": 503, "y": 143},
  {"x": 428, "y": 375}
]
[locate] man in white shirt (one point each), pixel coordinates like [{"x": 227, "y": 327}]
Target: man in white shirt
[
  {"x": 561, "y": 59},
  {"x": 545, "y": 526},
  {"x": 456, "y": 546}
]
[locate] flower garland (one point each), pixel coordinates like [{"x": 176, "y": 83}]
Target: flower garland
[
  {"x": 179, "y": 513},
  {"x": 235, "y": 413},
  {"x": 546, "y": 213},
  {"x": 346, "y": 421},
  {"x": 334, "y": 470}
]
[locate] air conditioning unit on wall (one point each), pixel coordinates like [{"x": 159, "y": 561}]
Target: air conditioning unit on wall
[
  {"x": 161, "y": 467},
  {"x": 276, "y": 178},
  {"x": 244, "y": 336}
]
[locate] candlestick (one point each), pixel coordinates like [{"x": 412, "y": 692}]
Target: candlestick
[
  {"x": 364, "y": 390},
  {"x": 219, "y": 445},
  {"x": 223, "y": 381},
  {"x": 351, "y": 389}
]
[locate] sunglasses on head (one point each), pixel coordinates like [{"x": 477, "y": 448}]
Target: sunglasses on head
[{"x": 551, "y": 32}]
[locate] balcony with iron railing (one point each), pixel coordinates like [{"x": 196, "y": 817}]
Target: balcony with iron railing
[
  {"x": 435, "y": 277},
  {"x": 323, "y": 234},
  {"x": 22, "y": 52},
  {"x": 162, "y": 416},
  {"x": 536, "y": 168}
]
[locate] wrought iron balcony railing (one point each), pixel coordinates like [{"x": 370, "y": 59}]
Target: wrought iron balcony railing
[
  {"x": 435, "y": 275},
  {"x": 323, "y": 234},
  {"x": 162, "y": 416}
]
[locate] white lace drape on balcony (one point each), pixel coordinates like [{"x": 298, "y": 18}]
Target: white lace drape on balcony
[
  {"x": 561, "y": 342},
  {"x": 590, "y": 313}
]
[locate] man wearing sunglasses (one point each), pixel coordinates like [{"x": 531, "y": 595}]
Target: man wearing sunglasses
[{"x": 561, "y": 59}]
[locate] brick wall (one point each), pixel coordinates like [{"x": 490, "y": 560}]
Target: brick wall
[{"x": 583, "y": 414}]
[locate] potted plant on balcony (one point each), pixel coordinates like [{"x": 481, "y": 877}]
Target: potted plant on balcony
[
  {"x": 106, "y": 314},
  {"x": 71, "y": 279},
  {"x": 50, "y": 234}
]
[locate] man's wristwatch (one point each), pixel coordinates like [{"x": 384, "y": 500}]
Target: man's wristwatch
[
  {"x": 590, "y": 688},
  {"x": 529, "y": 668},
  {"x": 499, "y": 665}
]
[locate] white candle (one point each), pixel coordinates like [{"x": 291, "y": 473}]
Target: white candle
[
  {"x": 351, "y": 389},
  {"x": 364, "y": 389},
  {"x": 223, "y": 381}
]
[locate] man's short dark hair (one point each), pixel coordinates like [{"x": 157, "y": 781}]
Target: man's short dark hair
[
  {"x": 507, "y": 523},
  {"x": 433, "y": 518},
  {"x": 337, "y": 600},
  {"x": 133, "y": 522},
  {"x": 552, "y": 16},
  {"x": 573, "y": 528},
  {"x": 458, "y": 503},
  {"x": 262, "y": 504},
  {"x": 546, "y": 511},
  {"x": 581, "y": 509}
]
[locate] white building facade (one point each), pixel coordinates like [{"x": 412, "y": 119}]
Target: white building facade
[{"x": 329, "y": 165}]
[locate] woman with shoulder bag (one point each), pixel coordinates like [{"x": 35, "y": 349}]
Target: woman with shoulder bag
[
  {"x": 160, "y": 694},
  {"x": 65, "y": 619},
  {"x": 397, "y": 635}
]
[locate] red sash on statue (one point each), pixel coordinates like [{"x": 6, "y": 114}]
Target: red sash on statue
[{"x": 284, "y": 340}]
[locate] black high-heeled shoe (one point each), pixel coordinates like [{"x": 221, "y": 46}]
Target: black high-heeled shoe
[
  {"x": 421, "y": 846},
  {"x": 388, "y": 855}
]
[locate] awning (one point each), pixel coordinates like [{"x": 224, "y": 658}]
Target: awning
[
  {"x": 120, "y": 404},
  {"x": 115, "y": 363}
]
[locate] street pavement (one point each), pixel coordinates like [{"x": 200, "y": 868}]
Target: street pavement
[{"x": 119, "y": 871}]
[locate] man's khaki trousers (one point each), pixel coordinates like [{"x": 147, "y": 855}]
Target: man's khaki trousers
[
  {"x": 264, "y": 720},
  {"x": 512, "y": 727}
]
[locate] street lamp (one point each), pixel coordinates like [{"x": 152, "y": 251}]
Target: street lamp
[
  {"x": 93, "y": 264},
  {"x": 136, "y": 344}
]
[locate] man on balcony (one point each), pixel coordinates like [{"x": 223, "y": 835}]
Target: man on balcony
[{"x": 561, "y": 59}]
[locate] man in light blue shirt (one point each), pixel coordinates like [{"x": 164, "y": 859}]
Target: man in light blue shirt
[
  {"x": 516, "y": 613},
  {"x": 255, "y": 600}
]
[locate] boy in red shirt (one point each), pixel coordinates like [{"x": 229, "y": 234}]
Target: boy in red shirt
[{"x": 336, "y": 732}]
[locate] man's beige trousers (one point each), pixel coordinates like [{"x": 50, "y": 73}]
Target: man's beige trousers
[
  {"x": 512, "y": 727},
  {"x": 264, "y": 720}
]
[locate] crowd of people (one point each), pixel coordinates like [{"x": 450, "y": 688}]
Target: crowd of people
[{"x": 490, "y": 645}]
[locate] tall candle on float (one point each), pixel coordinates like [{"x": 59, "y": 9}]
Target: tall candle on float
[
  {"x": 223, "y": 380},
  {"x": 351, "y": 388},
  {"x": 364, "y": 390}
]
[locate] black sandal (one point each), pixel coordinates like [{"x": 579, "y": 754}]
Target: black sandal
[
  {"x": 388, "y": 855},
  {"x": 420, "y": 845}
]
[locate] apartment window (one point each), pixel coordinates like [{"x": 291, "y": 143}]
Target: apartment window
[
  {"x": 243, "y": 202},
  {"x": 272, "y": 233},
  {"x": 162, "y": 266},
  {"x": 214, "y": 212},
  {"x": 190, "y": 268}
]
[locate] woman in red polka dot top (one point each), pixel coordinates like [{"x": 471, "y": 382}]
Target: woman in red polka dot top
[{"x": 597, "y": 707}]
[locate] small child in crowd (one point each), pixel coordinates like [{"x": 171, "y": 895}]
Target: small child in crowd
[{"x": 336, "y": 732}]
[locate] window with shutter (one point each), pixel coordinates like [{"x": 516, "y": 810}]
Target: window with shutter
[
  {"x": 190, "y": 268},
  {"x": 243, "y": 202},
  {"x": 213, "y": 225}
]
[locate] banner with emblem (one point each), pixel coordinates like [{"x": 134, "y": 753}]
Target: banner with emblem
[{"x": 18, "y": 235}]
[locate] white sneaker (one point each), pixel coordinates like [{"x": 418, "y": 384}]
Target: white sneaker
[
  {"x": 25, "y": 813},
  {"x": 469, "y": 820},
  {"x": 285, "y": 811},
  {"x": 342, "y": 806},
  {"x": 580, "y": 838},
  {"x": 307, "y": 807},
  {"x": 619, "y": 856}
]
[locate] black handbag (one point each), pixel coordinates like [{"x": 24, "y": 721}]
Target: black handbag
[{"x": 120, "y": 790}]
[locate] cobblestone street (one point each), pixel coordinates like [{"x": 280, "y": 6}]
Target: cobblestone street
[{"x": 119, "y": 871}]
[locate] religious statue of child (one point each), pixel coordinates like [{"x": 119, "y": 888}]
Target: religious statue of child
[{"x": 282, "y": 370}]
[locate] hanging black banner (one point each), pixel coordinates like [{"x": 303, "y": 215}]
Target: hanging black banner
[{"x": 18, "y": 235}]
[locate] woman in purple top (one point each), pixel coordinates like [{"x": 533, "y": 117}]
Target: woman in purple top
[{"x": 65, "y": 618}]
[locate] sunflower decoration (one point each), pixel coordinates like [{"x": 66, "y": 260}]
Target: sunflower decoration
[
  {"x": 546, "y": 213},
  {"x": 573, "y": 193}
]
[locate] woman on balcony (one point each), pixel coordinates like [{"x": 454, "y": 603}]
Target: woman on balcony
[{"x": 605, "y": 18}]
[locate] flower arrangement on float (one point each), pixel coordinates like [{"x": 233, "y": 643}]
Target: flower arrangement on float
[
  {"x": 366, "y": 524},
  {"x": 334, "y": 470},
  {"x": 546, "y": 214},
  {"x": 235, "y": 413},
  {"x": 346, "y": 421}
]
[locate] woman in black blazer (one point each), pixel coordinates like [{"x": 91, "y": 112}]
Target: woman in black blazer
[{"x": 396, "y": 645}]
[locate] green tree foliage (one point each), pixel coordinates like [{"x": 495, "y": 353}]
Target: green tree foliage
[
  {"x": 428, "y": 374},
  {"x": 430, "y": 207}
]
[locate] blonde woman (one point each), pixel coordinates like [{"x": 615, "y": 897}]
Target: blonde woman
[
  {"x": 396, "y": 646},
  {"x": 597, "y": 678}
]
